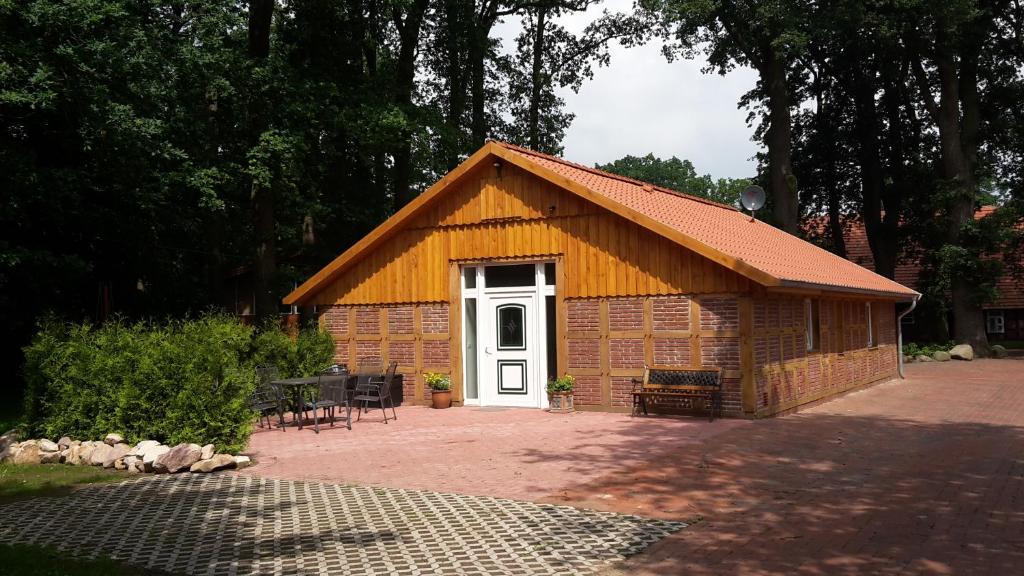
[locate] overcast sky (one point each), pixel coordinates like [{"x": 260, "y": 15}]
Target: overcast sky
[{"x": 641, "y": 103}]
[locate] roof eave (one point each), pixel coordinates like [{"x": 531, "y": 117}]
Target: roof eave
[{"x": 887, "y": 294}]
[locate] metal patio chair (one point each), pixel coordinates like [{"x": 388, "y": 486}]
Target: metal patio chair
[
  {"x": 267, "y": 399},
  {"x": 330, "y": 395},
  {"x": 377, "y": 389}
]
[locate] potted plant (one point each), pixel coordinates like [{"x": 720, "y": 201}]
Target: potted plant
[
  {"x": 441, "y": 389},
  {"x": 560, "y": 394}
]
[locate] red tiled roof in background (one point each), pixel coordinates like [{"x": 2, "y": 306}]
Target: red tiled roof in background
[
  {"x": 792, "y": 260},
  {"x": 1011, "y": 292}
]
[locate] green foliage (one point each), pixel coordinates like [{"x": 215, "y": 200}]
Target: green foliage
[
  {"x": 438, "y": 381},
  {"x": 182, "y": 381},
  {"x": 913, "y": 349},
  {"x": 563, "y": 383},
  {"x": 679, "y": 175}
]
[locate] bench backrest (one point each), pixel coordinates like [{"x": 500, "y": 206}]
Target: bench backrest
[{"x": 680, "y": 378}]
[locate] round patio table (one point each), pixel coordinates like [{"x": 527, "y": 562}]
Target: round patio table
[{"x": 297, "y": 385}]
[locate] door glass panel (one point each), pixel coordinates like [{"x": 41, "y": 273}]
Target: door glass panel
[
  {"x": 507, "y": 276},
  {"x": 470, "y": 275},
  {"x": 511, "y": 327},
  {"x": 549, "y": 311},
  {"x": 471, "y": 369}
]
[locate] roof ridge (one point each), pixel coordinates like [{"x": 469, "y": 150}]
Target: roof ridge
[{"x": 618, "y": 177}]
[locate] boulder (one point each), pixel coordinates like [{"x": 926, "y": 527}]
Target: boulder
[
  {"x": 28, "y": 453},
  {"x": 117, "y": 452},
  {"x": 141, "y": 448},
  {"x": 177, "y": 459},
  {"x": 151, "y": 454},
  {"x": 99, "y": 454},
  {"x": 111, "y": 439},
  {"x": 85, "y": 453},
  {"x": 924, "y": 358},
  {"x": 207, "y": 452},
  {"x": 217, "y": 462},
  {"x": 7, "y": 444},
  {"x": 999, "y": 351},
  {"x": 48, "y": 446},
  {"x": 962, "y": 352},
  {"x": 129, "y": 463},
  {"x": 243, "y": 461},
  {"x": 64, "y": 443},
  {"x": 49, "y": 457},
  {"x": 940, "y": 356}
]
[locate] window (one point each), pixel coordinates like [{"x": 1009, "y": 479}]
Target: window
[
  {"x": 812, "y": 313},
  {"x": 871, "y": 324},
  {"x": 549, "y": 274},
  {"x": 509, "y": 276},
  {"x": 550, "y": 324},
  {"x": 511, "y": 327},
  {"x": 995, "y": 322},
  {"x": 469, "y": 273},
  {"x": 470, "y": 358}
]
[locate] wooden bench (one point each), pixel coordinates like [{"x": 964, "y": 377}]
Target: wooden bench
[{"x": 679, "y": 382}]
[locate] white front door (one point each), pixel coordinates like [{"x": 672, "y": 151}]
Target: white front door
[{"x": 512, "y": 372}]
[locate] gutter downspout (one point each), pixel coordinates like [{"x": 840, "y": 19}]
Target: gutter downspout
[{"x": 899, "y": 335}]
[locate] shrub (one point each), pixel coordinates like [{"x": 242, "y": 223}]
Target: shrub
[
  {"x": 180, "y": 381},
  {"x": 912, "y": 349}
]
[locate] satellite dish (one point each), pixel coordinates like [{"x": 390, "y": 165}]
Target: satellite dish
[{"x": 752, "y": 198}]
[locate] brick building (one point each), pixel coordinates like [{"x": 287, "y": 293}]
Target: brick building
[
  {"x": 518, "y": 266},
  {"x": 1004, "y": 316}
]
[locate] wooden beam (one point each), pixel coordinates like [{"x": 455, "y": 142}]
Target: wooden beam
[{"x": 748, "y": 385}]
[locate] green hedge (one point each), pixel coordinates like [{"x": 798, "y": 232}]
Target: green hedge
[{"x": 180, "y": 381}]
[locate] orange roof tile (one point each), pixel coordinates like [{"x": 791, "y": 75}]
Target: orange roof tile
[{"x": 795, "y": 262}]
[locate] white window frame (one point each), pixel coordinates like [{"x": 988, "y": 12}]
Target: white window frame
[{"x": 995, "y": 315}]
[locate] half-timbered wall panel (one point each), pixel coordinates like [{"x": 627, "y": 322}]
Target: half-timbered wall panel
[{"x": 517, "y": 215}]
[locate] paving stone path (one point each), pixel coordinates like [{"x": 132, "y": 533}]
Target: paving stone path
[{"x": 231, "y": 524}]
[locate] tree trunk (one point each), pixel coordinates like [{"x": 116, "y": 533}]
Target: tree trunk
[
  {"x": 455, "y": 43},
  {"x": 536, "y": 80},
  {"x": 405, "y": 77},
  {"x": 868, "y": 141},
  {"x": 782, "y": 182},
  {"x": 478, "y": 70},
  {"x": 265, "y": 260},
  {"x": 958, "y": 143}
]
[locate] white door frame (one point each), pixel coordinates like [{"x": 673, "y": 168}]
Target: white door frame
[{"x": 475, "y": 288}]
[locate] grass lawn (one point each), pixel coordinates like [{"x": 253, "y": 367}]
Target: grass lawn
[
  {"x": 28, "y": 481},
  {"x": 40, "y": 561}
]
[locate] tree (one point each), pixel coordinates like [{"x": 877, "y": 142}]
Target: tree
[
  {"x": 767, "y": 36},
  {"x": 678, "y": 175}
]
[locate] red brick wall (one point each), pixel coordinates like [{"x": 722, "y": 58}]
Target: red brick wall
[
  {"x": 787, "y": 375},
  {"x": 362, "y": 338},
  {"x": 606, "y": 358}
]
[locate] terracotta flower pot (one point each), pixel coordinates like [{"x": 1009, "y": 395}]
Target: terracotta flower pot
[{"x": 441, "y": 398}]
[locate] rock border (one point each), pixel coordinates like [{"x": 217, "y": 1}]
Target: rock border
[{"x": 147, "y": 456}]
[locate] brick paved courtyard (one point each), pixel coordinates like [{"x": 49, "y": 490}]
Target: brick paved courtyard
[{"x": 923, "y": 476}]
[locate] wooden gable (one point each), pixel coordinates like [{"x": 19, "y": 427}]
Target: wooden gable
[{"x": 511, "y": 214}]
